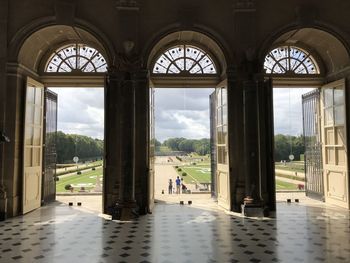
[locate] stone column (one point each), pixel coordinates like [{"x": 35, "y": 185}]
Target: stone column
[
  {"x": 112, "y": 159},
  {"x": 127, "y": 203},
  {"x": 142, "y": 104},
  {"x": 3, "y": 55},
  {"x": 251, "y": 153},
  {"x": 236, "y": 147}
]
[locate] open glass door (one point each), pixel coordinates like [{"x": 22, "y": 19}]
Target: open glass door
[
  {"x": 222, "y": 165},
  {"x": 314, "y": 186},
  {"x": 334, "y": 144},
  {"x": 49, "y": 150},
  {"x": 151, "y": 148},
  {"x": 33, "y": 137}
]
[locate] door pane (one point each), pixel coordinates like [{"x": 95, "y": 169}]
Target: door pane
[
  {"x": 28, "y": 157},
  {"x": 29, "y": 134},
  {"x": 30, "y": 94},
  {"x": 340, "y": 137},
  {"x": 38, "y": 96},
  {"x": 37, "y": 137},
  {"x": 328, "y": 97},
  {"x": 37, "y": 116},
  {"x": 36, "y": 156},
  {"x": 219, "y": 116},
  {"x": 328, "y": 116},
  {"x": 339, "y": 113},
  {"x": 338, "y": 96},
  {"x": 30, "y": 113},
  {"x": 224, "y": 114}
]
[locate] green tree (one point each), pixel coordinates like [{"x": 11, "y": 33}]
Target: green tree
[{"x": 69, "y": 145}]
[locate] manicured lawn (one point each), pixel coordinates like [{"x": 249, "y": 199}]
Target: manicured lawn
[
  {"x": 291, "y": 166},
  {"x": 86, "y": 179},
  {"x": 197, "y": 173},
  {"x": 280, "y": 185}
]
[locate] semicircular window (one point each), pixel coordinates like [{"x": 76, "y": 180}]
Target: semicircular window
[
  {"x": 290, "y": 60},
  {"x": 78, "y": 58},
  {"x": 184, "y": 59}
]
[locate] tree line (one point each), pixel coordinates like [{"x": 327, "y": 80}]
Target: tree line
[
  {"x": 284, "y": 146},
  {"x": 201, "y": 146},
  {"x": 70, "y": 145}
]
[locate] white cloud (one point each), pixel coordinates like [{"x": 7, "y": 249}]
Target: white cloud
[
  {"x": 182, "y": 113},
  {"x": 178, "y": 112},
  {"x": 288, "y": 110},
  {"x": 81, "y": 111}
]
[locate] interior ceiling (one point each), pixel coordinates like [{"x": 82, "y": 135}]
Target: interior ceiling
[
  {"x": 193, "y": 38},
  {"x": 330, "y": 50},
  {"x": 48, "y": 39}
]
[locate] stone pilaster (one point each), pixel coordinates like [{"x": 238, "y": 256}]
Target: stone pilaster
[
  {"x": 142, "y": 111},
  {"x": 3, "y": 55},
  {"x": 250, "y": 128},
  {"x": 127, "y": 202},
  {"x": 235, "y": 122}
]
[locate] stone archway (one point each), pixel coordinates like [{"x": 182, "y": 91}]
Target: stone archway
[
  {"x": 28, "y": 56},
  {"x": 331, "y": 57}
]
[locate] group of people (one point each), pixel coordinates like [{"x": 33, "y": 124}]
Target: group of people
[{"x": 179, "y": 186}]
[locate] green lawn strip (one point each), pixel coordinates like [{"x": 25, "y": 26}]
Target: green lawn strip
[
  {"x": 80, "y": 168},
  {"x": 83, "y": 178},
  {"x": 291, "y": 167},
  {"x": 301, "y": 179},
  {"x": 280, "y": 185},
  {"x": 194, "y": 175}
]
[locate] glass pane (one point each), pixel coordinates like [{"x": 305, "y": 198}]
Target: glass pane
[
  {"x": 36, "y": 157},
  {"x": 329, "y": 136},
  {"x": 30, "y": 94},
  {"x": 219, "y": 116},
  {"x": 339, "y": 113},
  {"x": 224, "y": 96},
  {"x": 37, "y": 116},
  {"x": 341, "y": 156},
  {"x": 330, "y": 155},
  {"x": 338, "y": 96},
  {"x": 224, "y": 114},
  {"x": 224, "y": 134},
  {"x": 225, "y": 155},
  {"x": 340, "y": 139},
  {"x": 29, "y": 133},
  {"x": 218, "y": 97},
  {"x": 221, "y": 154},
  {"x": 30, "y": 113},
  {"x": 28, "y": 157},
  {"x": 328, "y": 97},
  {"x": 328, "y": 116},
  {"x": 37, "y": 137},
  {"x": 38, "y": 96},
  {"x": 220, "y": 135}
]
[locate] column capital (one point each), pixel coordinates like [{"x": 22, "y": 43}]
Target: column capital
[{"x": 140, "y": 74}]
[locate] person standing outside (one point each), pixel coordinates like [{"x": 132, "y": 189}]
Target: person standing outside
[
  {"x": 178, "y": 184},
  {"x": 170, "y": 187}
]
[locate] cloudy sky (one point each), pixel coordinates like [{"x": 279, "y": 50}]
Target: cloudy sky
[{"x": 179, "y": 112}]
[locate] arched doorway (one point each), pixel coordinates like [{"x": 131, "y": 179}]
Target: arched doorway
[
  {"x": 189, "y": 59},
  {"x": 313, "y": 58},
  {"x": 54, "y": 56}
]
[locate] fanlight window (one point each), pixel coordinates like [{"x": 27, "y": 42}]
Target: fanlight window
[
  {"x": 184, "y": 59},
  {"x": 76, "y": 57},
  {"x": 289, "y": 59}
]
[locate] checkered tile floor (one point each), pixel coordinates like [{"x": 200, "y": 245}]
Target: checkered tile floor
[{"x": 174, "y": 233}]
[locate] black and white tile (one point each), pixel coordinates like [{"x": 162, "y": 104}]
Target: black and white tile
[{"x": 174, "y": 233}]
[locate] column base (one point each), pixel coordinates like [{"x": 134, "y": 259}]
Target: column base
[
  {"x": 254, "y": 208},
  {"x": 3, "y": 209},
  {"x": 125, "y": 211}
]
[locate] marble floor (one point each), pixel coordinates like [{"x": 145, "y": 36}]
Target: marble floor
[{"x": 178, "y": 233}]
